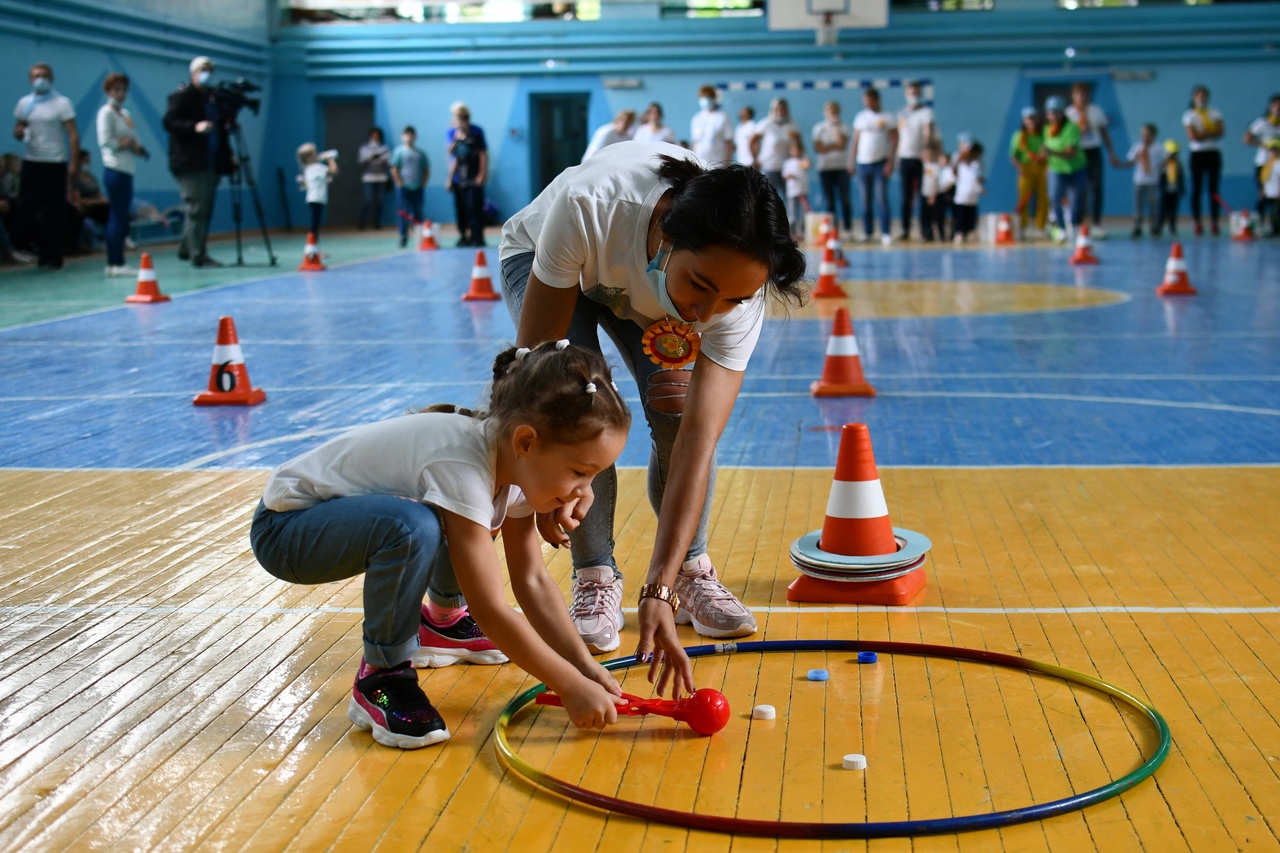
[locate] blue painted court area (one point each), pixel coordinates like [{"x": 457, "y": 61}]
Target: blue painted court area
[{"x": 1144, "y": 381}]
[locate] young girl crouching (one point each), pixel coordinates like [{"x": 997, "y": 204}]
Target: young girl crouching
[{"x": 555, "y": 420}]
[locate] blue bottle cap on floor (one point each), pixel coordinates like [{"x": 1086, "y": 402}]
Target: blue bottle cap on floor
[
  {"x": 866, "y": 657},
  {"x": 818, "y": 675}
]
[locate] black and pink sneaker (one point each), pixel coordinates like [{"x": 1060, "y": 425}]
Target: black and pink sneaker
[
  {"x": 459, "y": 640},
  {"x": 391, "y": 704}
]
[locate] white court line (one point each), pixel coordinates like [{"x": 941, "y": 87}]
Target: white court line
[{"x": 167, "y": 609}]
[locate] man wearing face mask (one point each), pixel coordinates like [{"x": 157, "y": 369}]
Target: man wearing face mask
[
  {"x": 47, "y": 167},
  {"x": 199, "y": 152},
  {"x": 710, "y": 133}
]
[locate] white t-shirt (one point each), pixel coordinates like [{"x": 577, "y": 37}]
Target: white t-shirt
[
  {"x": 315, "y": 178},
  {"x": 775, "y": 143},
  {"x": 1263, "y": 130},
  {"x": 1271, "y": 186},
  {"x": 45, "y": 116},
  {"x": 646, "y": 134},
  {"x": 590, "y": 227},
  {"x": 742, "y": 135},
  {"x": 443, "y": 460},
  {"x": 946, "y": 177},
  {"x": 1155, "y": 160},
  {"x": 709, "y": 133},
  {"x": 873, "y": 130},
  {"x": 829, "y": 133},
  {"x": 968, "y": 182},
  {"x": 1093, "y": 119},
  {"x": 797, "y": 177},
  {"x": 604, "y": 136},
  {"x": 115, "y": 123},
  {"x": 929, "y": 180},
  {"x": 1191, "y": 118},
  {"x": 914, "y": 129}
]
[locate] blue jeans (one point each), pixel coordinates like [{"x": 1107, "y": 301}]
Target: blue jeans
[
  {"x": 592, "y": 543},
  {"x": 1072, "y": 185},
  {"x": 119, "y": 187},
  {"x": 410, "y": 205},
  {"x": 875, "y": 184},
  {"x": 397, "y": 544}
]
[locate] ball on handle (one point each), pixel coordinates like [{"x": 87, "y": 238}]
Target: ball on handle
[{"x": 706, "y": 711}]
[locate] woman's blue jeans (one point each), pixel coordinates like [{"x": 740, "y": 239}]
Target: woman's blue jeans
[
  {"x": 875, "y": 195},
  {"x": 119, "y": 187},
  {"x": 396, "y": 543},
  {"x": 592, "y": 543}
]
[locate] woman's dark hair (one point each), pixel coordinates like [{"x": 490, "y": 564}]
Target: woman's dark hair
[
  {"x": 381, "y": 137},
  {"x": 736, "y": 207},
  {"x": 115, "y": 78},
  {"x": 565, "y": 393},
  {"x": 1199, "y": 88}
]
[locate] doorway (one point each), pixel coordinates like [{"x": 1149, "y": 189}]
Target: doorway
[
  {"x": 559, "y": 134},
  {"x": 346, "y": 128}
]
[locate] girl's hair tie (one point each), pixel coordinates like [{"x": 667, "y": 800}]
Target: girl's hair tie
[
  {"x": 521, "y": 353},
  {"x": 562, "y": 344},
  {"x": 591, "y": 387}
]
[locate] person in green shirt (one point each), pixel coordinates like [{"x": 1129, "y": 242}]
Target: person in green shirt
[
  {"x": 1026, "y": 151},
  {"x": 1067, "y": 167}
]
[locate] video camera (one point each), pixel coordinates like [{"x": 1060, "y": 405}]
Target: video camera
[{"x": 231, "y": 96}]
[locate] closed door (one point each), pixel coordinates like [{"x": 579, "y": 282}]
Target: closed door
[
  {"x": 559, "y": 133},
  {"x": 346, "y": 128}
]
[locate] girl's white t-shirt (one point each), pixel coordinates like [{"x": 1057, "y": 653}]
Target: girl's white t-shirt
[
  {"x": 968, "y": 182},
  {"x": 797, "y": 178},
  {"x": 445, "y": 460},
  {"x": 589, "y": 229},
  {"x": 315, "y": 178}
]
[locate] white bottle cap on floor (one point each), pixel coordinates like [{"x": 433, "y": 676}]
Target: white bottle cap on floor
[
  {"x": 854, "y": 761},
  {"x": 763, "y": 712}
]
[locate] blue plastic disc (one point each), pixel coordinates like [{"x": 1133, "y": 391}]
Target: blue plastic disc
[
  {"x": 818, "y": 675},
  {"x": 867, "y": 657}
]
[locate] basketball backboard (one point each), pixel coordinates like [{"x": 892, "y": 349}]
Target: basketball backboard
[{"x": 837, "y": 14}]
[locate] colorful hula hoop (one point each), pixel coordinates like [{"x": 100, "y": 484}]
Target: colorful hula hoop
[{"x": 888, "y": 829}]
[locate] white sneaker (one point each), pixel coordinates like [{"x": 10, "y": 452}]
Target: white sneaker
[
  {"x": 597, "y": 608},
  {"x": 129, "y": 244},
  {"x": 124, "y": 271},
  {"x": 886, "y": 240},
  {"x": 1097, "y": 232},
  {"x": 23, "y": 257},
  {"x": 704, "y": 601},
  {"x": 1033, "y": 234}
]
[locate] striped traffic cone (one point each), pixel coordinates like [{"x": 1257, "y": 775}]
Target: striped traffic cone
[
  {"x": 857, "y": 522},
  {"x": 1244, "y": 228},
  {"x": 1176, "y": 282},
  {"x": 428, "y": 241},
  {"x": 827, "y": 276},
  {"x": 1084, "y": 247},
  {"x": 148, "y": 286},
  {"x": 229, "y": 378},
  {"x": 481, "y": 284},
  {"x": 1004, "y": 231},
  {"x": 311, "y": 256},
  {"x": 842, "y": 370}
]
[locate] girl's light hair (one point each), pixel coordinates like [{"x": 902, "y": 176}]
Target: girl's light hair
[{"x": 307, "y": 153}]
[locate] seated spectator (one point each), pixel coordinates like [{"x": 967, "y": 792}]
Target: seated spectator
[{"x": 87, "y": 218}]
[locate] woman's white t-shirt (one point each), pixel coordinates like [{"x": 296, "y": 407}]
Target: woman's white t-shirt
[
  {"x": 830, "y": 133},
  {"x": 775, "y": 143},
  {"x": 443, "y": 460},
  {"x": 874, "y": 143},
  {"x": 1191, "y": 118},
  {"x": 742, "y": 136},
  {"x": 590, "y": 227},
  {"x": 644, "y": 133},
  {"x": 315, "y": 178}
]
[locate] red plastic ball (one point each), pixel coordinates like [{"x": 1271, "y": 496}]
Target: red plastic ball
[{"x": 706, "y": 711}]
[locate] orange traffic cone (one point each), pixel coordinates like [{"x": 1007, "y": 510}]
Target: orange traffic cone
[
  {"x": 481, "y": 285},
  {"x": 857, "y": 522},
  {"x": 1084, "y": 247},
  {"x": 1244, "y": 230},
  {"x": 827, "y": 276},
  {"x": 833, "y": 243},
  {"x": 148, "y": 286},
  {"x": 428, "y": 240},
  {"x": 311, "y": 256},
  {"x": 1004, "y": 231},
  {"x": 228, "y": 378},
  {"x": 1176, "y": 282},
  {"x": 842, "y": 370}
]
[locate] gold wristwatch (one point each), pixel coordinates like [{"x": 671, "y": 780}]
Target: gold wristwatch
[{"x": 662, "y": 593}]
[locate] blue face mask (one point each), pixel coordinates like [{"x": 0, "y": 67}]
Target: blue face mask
[
  {"x": 41, "y": 85},
  {"x": 705, "y": 102},
  {"x": 656, "y": 272},
  {"x": 204, "y": 77}
]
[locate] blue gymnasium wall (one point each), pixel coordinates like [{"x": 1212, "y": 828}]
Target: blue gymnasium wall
[{"x": 150, "y": 40}]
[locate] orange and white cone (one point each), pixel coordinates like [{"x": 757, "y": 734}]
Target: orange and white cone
[
  {"x": 1176, "y": 282},
  {"x": 311, "y": 256},
  {"x": 1244, "y": 230},
  {"x": 229, "y": 378},
  {"x": 842, "y": 370},
  {"x": 428, "y": 241},
  {"x": 1084, "y": 247},
  {"x": 827, "y": 276},
  {"x": 148, "y": 286},
  {"x": 481, "y": 284},
  {"x": 833, "y": 243},
  {"x": 1004, "y": 231},
  {"x": 857, "y": 522}
]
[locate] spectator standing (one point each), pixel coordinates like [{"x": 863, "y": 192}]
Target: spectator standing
[
  {"x": 199, "y": 152},
  {"x": 916, "y": 129},
  {"x": 772, "y": 143},
  {"x": 120, "y": 149},
  {"x": 1092, "y": 122},
  {"x": 1026, "y": 151},
  {"x": 1173, "y": 184},
  {"x": 410, "y": 170},
  {"x": 1067, "y": 167},
  {"x": 710, "y": 132},
  {"x": 375, "y": 167},
  {"x": 743, "y": 134},
  {"x": 1259, "y": 135},
  {"x": 43, "y": 117},
  {"x": 1204, "y": 129},
  {"x": 875, "y": 136},
  {"x": 468, "y": 170},
  {"x": 619, "y": 130},
  {"x": 652, "y": 129},
  {"x": 831, "y": 145},
  {"x": 1143, "y": 157}
]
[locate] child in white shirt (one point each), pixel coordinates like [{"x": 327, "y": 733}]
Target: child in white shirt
[
  {"x": 318, "y": 170},
  {"x": 932, "y": 217},
  {"x": 946, "y": 191},
  {"x": 1147, "y": 160},
  {"x": 969, "y": 188},
  {"x": 795, "y": 171}
]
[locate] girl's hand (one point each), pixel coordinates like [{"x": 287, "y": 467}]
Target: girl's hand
[
  {"x": 597, "y": 673},
  {"x": 554, "y": 526},
  {"x": 589, "y": 705},
  {"x": 660, "y": 648}
]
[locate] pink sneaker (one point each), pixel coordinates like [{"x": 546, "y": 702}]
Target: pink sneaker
[
  {"x": 460, "y": 640},
  {"x": 597, "y": 608},
  {"x": 706, "y": 603}
]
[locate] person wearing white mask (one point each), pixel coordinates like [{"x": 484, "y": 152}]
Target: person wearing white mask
[
  {"x": 199, "y": 152},
  {"x": 674, "y": 261},
  {"x": 120, "y": 149},
  {"x": 710, "y": 131},
  {"x": 916, "y": 129},
  {"x": 42, "y": 119}
]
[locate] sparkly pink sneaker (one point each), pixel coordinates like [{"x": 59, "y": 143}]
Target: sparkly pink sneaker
[
  {"x": 459, "y": 640},
  {"x": 706, "y": 603}
]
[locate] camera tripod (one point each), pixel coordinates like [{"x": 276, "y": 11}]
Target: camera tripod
[{"x": 239, "y": 178}]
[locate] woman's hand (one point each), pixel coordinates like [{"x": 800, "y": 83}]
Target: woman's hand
[
  {"x": 660, "y": 648},
  {"x": 589, "y": 705}
]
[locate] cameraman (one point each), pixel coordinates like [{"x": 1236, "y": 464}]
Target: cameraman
[{"x": 199, "y": 152}]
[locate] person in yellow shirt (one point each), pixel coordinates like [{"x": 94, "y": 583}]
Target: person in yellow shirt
[{"x": 1026, "y": 152}]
